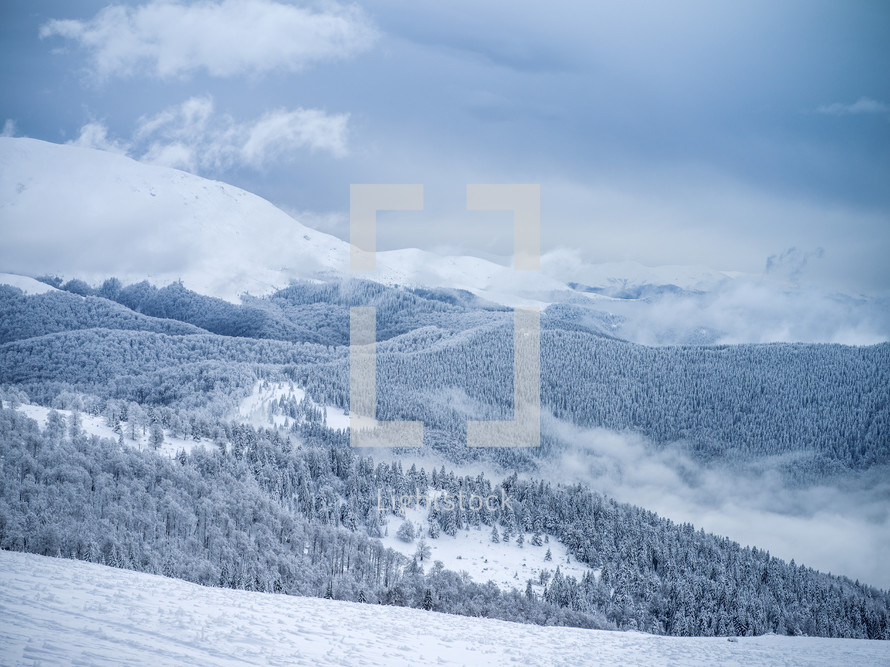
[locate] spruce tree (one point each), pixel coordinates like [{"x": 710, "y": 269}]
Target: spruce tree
[{"x": 529, "y": 591}]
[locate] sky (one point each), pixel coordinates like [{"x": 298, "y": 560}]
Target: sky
[{"x": 724, "y": 135}]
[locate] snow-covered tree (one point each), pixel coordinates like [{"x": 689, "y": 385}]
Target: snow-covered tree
[{"x": 406, "y": 531}]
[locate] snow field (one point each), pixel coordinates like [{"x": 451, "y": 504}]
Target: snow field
[
  {"x": 258, "y": 408},
  {"x": 506, "y": 564},
  {"x": 62, "y": 612}
]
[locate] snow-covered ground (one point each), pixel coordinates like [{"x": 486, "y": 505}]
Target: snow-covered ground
[
  {"x": 260, "y": 407},
  {"x": 98, "y": 426},
  {"x": 62, "y": 612},
  {"x": 506, "y": 564},
  {"x": 27, "y": 285}
]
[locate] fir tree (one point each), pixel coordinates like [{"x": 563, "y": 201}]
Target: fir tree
[
  {"x": 529, "y": 591},
  {"x": 156, "y": 438}
]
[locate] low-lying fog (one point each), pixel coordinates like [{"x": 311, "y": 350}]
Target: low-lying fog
[{"x": 842, "y": 527}]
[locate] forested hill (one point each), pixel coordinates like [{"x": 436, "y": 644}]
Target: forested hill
[
  {"x": 263, "y": 513},
  {"x": 445, "y": 357},
  {"x": 294, "y": 509}
]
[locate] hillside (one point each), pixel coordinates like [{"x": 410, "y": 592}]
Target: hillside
[
  {"x": 59, "y": 611},
  {"x": 828, "y": 406},
  {"x": 255, "y": 510}
]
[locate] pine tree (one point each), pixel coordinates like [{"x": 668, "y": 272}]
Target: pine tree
[
  {"x": 329, "y": 593},
  {"x": 428, "y": 599},
  {"x": 157, "y": 436},
  {"x": 495, "y": 538},
  {"x": 520, "y": 540},
  {"x": 74, "y": 425},
  {"x": 434, "y": 527},
  {"x": 529, "y": 591},
  {"x": 548, "y": 556},
  {"x": 536, "y": 539},
  {"x": 361, "y": 596}
]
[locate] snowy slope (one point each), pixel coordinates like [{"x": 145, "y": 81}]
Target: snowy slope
[
  {"x": 506, "y": 564},
  {"x": 261, "y": 409},
  {"x": 91, "y": 214},
  {"x": 93, "y": 425},
  {"x": 27, "y": 285},
  {"x": 57, "y": 611}
]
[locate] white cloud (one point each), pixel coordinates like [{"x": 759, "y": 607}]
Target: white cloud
[
  {"x": 863, "y": 105},
  {"x": 95, "y": 135},
  {"x": 192, "y": 136},
  {"x": 676, "y": 305},
  {"x": 791, "y": 264},
  {"x": 276, "y": 132},
  {"x": 170, "y": 39}
]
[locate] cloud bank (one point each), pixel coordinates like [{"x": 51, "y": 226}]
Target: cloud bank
[
  {"x": 754, "y": 311},
  {"x": 168, "y": 39},
  {"x": 677, "y": 305},
  {"x": 192, "y": 136},
  {"x": 842, "y": 528}
]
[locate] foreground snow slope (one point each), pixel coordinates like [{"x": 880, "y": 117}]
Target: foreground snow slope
[{"x": 56, "y": 611}]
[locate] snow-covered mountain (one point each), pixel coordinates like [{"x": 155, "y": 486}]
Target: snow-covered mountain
[
  {"x": 92, "y": 214},
  {"x": 59, "y": 611},
  {"x": 89, "y": 214}
]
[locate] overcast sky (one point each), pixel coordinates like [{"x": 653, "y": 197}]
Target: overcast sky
[{"x": 707, "y": 133}]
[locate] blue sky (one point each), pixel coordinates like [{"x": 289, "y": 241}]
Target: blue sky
[{"x": 719, "y": 134}]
